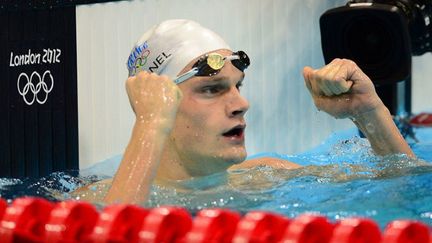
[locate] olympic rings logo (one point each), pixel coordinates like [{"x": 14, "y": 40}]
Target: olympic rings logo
[
  {"x": 141, "y": 61},
  {"x": 35, "y": 85}
]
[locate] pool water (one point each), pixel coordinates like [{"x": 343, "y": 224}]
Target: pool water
[{"x": 340, "y": 178}]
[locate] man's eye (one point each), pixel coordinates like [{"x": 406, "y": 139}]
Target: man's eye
[{"x": 211, "y": 89}]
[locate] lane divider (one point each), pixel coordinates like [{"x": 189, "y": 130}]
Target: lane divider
[
  {"x": 213, "y": 225},
  {"x": 71, "y": 221},
  {"x": 3, "y": 206},
  {"x": 36, "y": 220},
  {"x": 422, "y": 120},
  {"x": 259, "y": 226},
  {"x": 165, "y": 224},
  {"x": 356, "y": 230},
  {"x": 301, "y": 228},
  {"x": 119, "y": 223},
  {"x": 406, "y": 231},
  {"x": 24, "y": 220}
]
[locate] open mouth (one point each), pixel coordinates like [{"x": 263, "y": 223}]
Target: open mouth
[{"x": 237, "y": 131}]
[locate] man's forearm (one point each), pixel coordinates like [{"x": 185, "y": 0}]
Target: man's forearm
[
  {"x": 378, "y": 126},
  {"x": 139, "y": 165}
]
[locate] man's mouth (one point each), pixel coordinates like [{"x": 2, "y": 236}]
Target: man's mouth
[{"x": 236, "y": 131}]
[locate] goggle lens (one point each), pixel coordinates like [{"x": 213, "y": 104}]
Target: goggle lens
[{"x": 211, "y": 64}]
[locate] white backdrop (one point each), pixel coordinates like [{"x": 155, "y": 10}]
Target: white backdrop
[{"x": 280, "y": 37}]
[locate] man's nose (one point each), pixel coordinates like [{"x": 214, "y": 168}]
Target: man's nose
[{"x": 237, "y": 105}]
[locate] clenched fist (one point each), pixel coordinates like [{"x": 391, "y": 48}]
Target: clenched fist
[
  {"x": 154, "y": 99},
  {"x": 341, "y": 89}
]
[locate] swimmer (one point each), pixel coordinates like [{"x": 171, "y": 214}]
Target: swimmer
[{"x": 184, "y": 88}]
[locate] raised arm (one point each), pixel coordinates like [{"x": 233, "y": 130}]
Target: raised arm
[
  {"x": 344, "y": 91},
  {"x": 155, "y": 100}
]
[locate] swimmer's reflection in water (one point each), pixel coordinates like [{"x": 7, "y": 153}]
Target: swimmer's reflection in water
[{"x": 196, "y": 127}]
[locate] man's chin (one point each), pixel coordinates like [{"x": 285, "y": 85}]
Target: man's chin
[{"x": 236, "y": 158}]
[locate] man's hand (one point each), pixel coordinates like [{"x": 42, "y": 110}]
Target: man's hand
[
  {"x": 154, "y": 99},
  {"x": 341, "y": 89},
  {"x": 344, "y": 91}
]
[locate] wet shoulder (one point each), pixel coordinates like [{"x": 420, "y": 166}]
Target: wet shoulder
[{"x": 267, "y": 161}]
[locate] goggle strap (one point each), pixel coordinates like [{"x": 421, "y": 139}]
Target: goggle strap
[
  {"x": 187, "y": 75},
  {"x": 232, "y": 57}
]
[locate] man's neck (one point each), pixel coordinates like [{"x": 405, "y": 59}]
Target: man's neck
[
  {"x": 176, "y": 166},
  {"x": 172, "y": 167}
]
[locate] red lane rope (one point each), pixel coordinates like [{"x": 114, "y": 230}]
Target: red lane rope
[
  {"x": 258, "y": 226},
  {"x": 213, "y": 225},
  {"x": 71, "y": 221},
  {"x": 165, "y": 224},
  {"x": 3, "y": 206},
  {"x": 36, "y": 220},
  {"x": 422, "y": 120},
  {"x": 356, "y": 230}
]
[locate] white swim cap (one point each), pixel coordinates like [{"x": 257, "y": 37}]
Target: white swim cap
[{"x": 169, "y": 46}]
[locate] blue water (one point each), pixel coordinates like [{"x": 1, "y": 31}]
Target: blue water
[{"x": 340, "y": 178}]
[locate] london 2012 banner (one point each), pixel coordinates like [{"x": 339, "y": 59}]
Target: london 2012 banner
[{"x": 38, "y": 91}]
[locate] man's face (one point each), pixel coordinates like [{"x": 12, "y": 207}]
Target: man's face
[{"x": 209, "y": 129}]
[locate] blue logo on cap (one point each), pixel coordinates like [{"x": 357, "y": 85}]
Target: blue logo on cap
[{"x": 138, "y": 57}]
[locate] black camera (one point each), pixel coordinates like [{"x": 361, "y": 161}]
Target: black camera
[{"x": 380, "y": 36}]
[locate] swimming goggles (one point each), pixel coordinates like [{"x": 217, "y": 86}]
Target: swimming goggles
[{"x": 211, "y": 64}]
